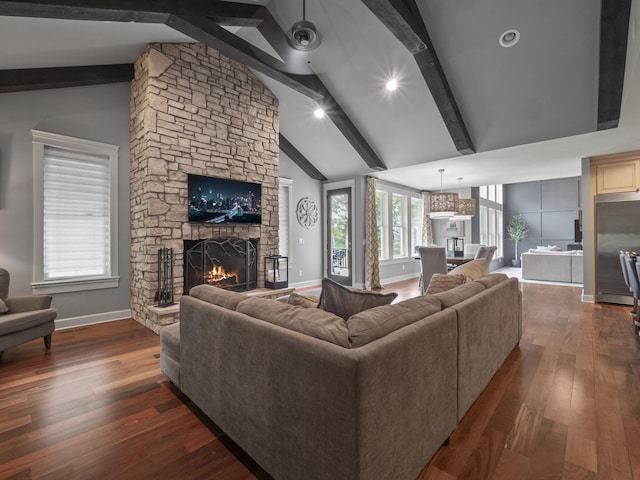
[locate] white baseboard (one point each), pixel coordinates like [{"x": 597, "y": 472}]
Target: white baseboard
[
  {"x": 308, "y": 283},
  {"x": 73, "y": 322},
  {"x": 587, "y": 298},
  {"x": 400, "y": 278}
]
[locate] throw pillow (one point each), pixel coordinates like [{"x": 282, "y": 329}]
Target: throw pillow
[
  {"x": 441, "y": 282},
  {"x": 309, "y": 301},
  {"x": 471, "y": 270},
  {"x": 3, "y": 307},
  {"x": 344, "y": 302}
]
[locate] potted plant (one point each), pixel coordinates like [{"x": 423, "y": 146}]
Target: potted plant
[{"x": 517, "y": 231}]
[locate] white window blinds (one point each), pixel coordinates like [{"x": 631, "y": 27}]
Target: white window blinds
[
  {"x": 284, "y": 212},
  {"x": 76, "y": 214}
]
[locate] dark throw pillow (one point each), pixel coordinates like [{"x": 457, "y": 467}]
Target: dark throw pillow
[{"x": 344, "y": 301}]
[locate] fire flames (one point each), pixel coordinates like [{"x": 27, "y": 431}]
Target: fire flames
[{"x": 218, "y": 275}]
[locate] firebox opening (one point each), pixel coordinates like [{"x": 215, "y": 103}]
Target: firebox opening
[
  {"x": 219, "y": 277},
  {"x": 228, "y": 262}
]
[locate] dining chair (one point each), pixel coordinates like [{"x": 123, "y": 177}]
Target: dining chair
[{"x": 432, "y": 260}]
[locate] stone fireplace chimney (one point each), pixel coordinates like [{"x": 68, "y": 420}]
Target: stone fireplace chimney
[{"x": 193, "y": 110}]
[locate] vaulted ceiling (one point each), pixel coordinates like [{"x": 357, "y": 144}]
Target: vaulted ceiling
[{"x": 490, "y": 114}]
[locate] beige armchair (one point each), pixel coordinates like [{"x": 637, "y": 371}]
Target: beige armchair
[
  {"x": 23, "y": 319},
  {"x": 432, "y": 260}
]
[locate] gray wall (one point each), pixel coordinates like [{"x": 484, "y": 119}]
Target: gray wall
[
  {"x": 99, "y": 113},
  {"x": 587, "y": 229},
  {"x": 305, "y": 257},
  {"x": 549, "y": 208}
]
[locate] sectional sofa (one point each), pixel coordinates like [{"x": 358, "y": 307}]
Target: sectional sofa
[
  {"x": 555, "y": 266},
  {"x": 309, "y": 395}
]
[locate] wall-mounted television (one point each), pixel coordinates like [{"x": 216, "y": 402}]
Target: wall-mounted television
[{"x": 221, "y": 200}]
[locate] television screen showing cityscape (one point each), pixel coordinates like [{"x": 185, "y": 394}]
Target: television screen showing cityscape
[{"x": 220, "y": 200}]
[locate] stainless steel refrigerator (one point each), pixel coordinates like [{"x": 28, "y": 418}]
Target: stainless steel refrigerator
[{"x": 617, "y": 217}]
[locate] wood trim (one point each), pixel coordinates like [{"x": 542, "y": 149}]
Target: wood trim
[
  {"x": 403, "y": 19},
  {"x": 299, "y": 159},
  {"x": 614, "y": 29},
  {"x": 141, "y": 11},
  {"x": 28, "y": 79},
  {"x": 615, "y": 157},
  {"x": 210, "y": 33}
]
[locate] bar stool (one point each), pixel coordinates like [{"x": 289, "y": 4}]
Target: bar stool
[
  {"x": 623, "y": 264},
  {"x": 634, "y": 284}
]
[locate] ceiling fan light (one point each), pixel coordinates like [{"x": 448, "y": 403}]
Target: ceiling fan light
[{"x": 303, "y": 36}]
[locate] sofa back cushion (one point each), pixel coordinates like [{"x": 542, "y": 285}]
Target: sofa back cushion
[
  {"x": 218, "y": 296},
  {"x": 345, "y": 302},
  {"x": 492, "y": 279},
  {"x": 309, "y": 321},
  {"x": 459, "y": 294},
  {"x": 367, "y": 326}
]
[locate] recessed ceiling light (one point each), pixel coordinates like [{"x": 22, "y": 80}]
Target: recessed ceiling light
[
  {"x": 318, "y": 112},
  {"x": 509, "y": 38},
  {"x": 392, "y": 85}
]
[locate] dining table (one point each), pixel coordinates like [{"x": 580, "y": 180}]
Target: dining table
[{"x": 459, "y": 260}]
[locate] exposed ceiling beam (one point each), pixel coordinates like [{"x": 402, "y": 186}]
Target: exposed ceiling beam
[
  {"x": 614, "y": 28},
  {"x": 203, "y": 27},
  {"x": 299, "y": 159},
  {"x": 61, "y": 77},
  {"x": 277, "y": 39},
  {"x": 141, "y": 11},
  {"x": 211, "y": 34},
  {"x": 403, "y": 19}
]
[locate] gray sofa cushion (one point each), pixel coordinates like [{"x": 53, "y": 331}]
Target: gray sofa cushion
[
  {"x": 170, "y": 352},
  {"x": 492, "y": 279},
  {"x": 218, "y": 296},
  {"x": 459, "y": 294},
  {"x": 310, "y": 321},
  {"x": 364, "y": 327},
  {"x": 344, "y": 302}
]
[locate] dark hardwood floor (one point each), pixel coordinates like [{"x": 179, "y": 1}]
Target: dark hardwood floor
[{"x": 565, "y": 405}]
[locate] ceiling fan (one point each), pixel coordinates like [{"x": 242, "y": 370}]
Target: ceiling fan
[{"x": 303, "y": 35}]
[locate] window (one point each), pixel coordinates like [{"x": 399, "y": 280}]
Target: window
[
  {"x": 284, "y": 215},
  {"x": 416, "y": 223},
  {"x": 491, "y": 217},
  {"x": 399, "y": 219},
  {"x": 383, "y": 227},
  {"x": 75, "y": 206}
]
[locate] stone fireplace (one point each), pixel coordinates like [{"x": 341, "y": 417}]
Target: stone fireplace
[{"x": 194, "y": 111}]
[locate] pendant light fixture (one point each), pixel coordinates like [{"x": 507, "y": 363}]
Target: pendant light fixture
[
  {"x": 466, "y": 206},
  {"x": 303, "y": 35},
  {"x": 443, "y": 205}
]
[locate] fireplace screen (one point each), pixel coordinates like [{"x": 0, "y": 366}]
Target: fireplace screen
[{"x": 229, "y": 263}]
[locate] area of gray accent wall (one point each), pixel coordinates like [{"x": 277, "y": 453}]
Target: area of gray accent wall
[
  {"x": 549, "y": 207},
  {"x": 304, "y": 257},
  {"x": 587, "y": 228},
  {"x": 99, "y": 113}
]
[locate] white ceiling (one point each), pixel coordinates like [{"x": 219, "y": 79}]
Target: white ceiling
[{"x": 530, "y": 109}]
